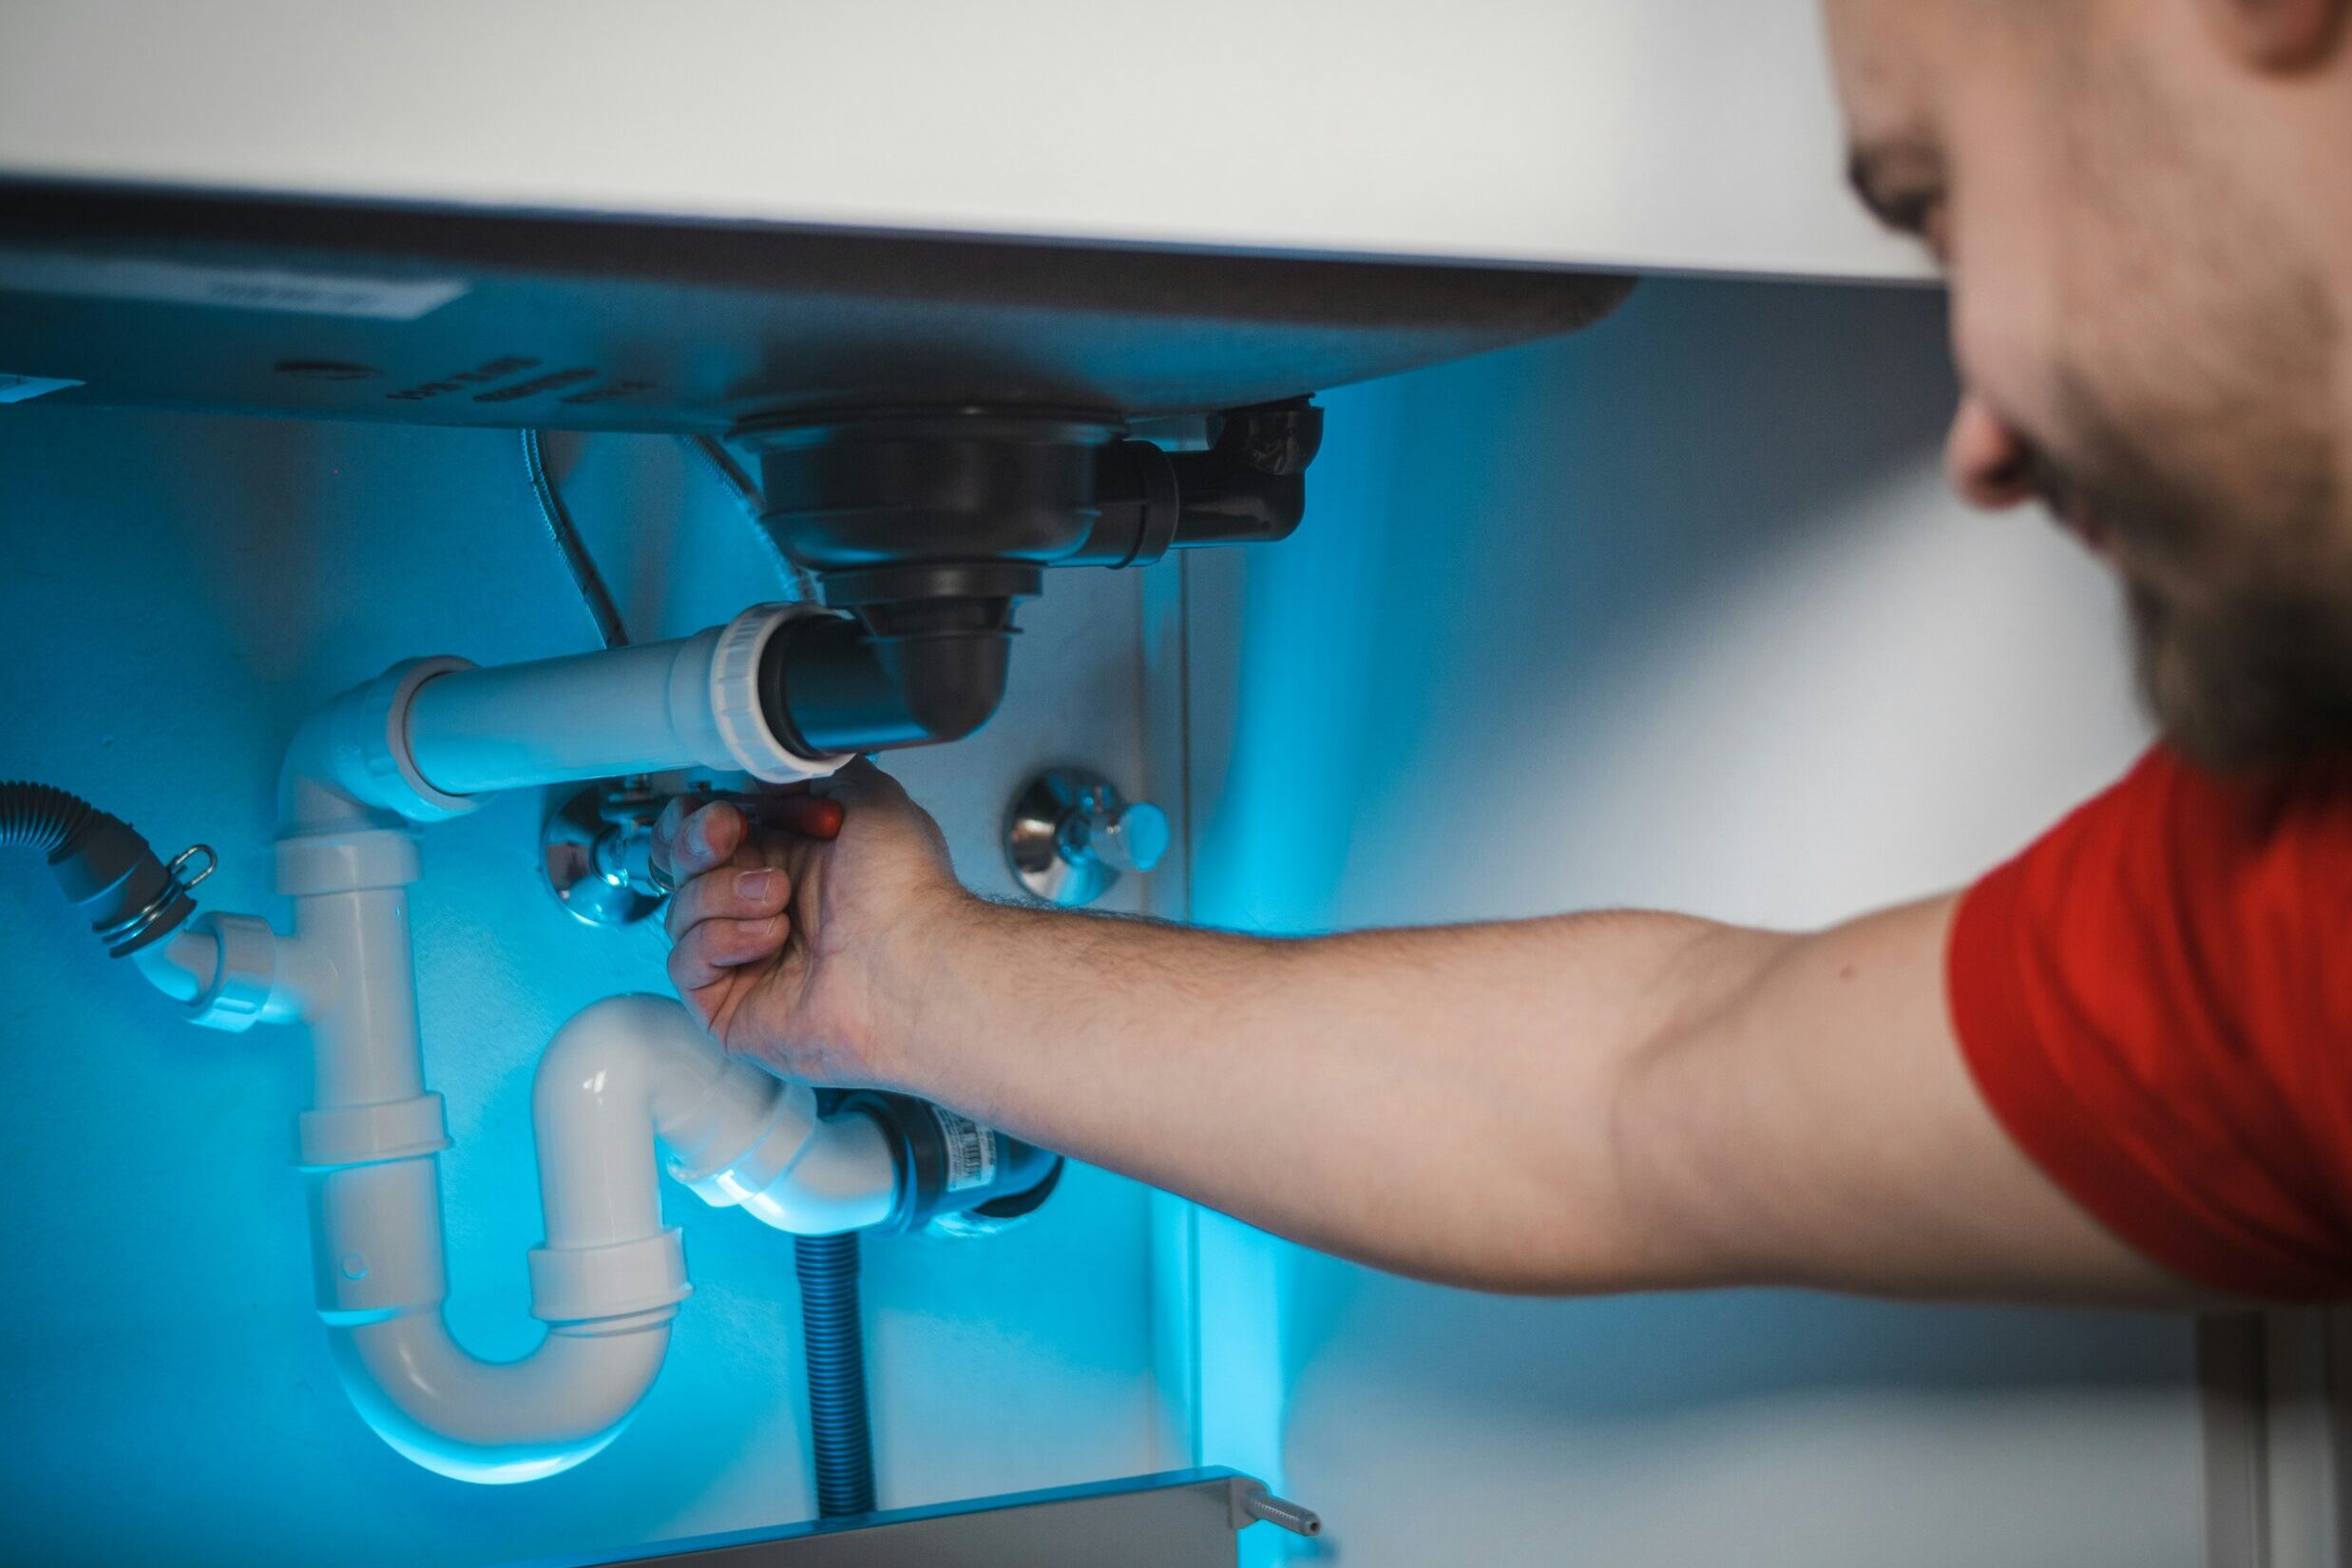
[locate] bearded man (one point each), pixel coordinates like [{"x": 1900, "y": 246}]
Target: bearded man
[{"x": 2118, "y": 1068}]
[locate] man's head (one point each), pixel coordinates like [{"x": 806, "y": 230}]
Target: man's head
[{"x": 2146, "y": 210}]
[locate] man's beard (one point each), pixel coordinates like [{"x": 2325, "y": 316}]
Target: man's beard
[
  {"x": 2258, "y": 674},
  {"x": 2240, "y": 593}
]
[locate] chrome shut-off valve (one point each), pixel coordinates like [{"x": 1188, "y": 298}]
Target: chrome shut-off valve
[
  {"x": 1069, "y": 834},
  {"x": 596, "y": 852}
]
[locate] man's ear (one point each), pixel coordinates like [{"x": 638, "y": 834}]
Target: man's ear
[{"x": 2283, "y": 35}]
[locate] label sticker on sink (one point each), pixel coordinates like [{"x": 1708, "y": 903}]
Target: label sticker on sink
[{"x": 227, "y": 288}]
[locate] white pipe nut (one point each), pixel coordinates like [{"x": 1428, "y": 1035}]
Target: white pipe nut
[
  {"x": 369, "y": 1135},
  {"x": 244, "y": 972},
  {"x": 735, "y": 706},
  {"x": 626, "y": 1285}
]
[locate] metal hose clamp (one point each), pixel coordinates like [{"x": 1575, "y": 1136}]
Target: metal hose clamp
[{"x": 171, "y": 902}]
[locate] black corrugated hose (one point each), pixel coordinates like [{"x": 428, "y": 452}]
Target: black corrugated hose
[
  {"x": 840, "y": 1429},
  {"x": 40, "y": 816},
  {"x": 105, "y": 867}
]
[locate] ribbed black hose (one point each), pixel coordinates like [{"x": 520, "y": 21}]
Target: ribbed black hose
[
  {"x": 101, "y": 862},
  {"x": 840, "y": 1431},
  {"x": 40, "y": 816}
]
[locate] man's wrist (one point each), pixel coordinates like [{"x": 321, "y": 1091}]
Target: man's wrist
[{"x": 932, "y": 985}]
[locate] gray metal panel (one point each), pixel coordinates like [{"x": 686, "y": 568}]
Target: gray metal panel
[{"x": 1185, "y": 1519}]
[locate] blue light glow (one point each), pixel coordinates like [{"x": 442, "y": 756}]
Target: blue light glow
[
  {"x": 481, "y": 1471},
  {"x": 182, "y": 592}
]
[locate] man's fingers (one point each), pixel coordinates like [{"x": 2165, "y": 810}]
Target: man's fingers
[
  {"x": 705, "y": 953},
  {"x": 811, "y": 816},
  {"x": 687, "y": 843},
  {"x": 732, "y": 892}
]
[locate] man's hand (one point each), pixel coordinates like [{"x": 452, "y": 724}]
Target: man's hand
[{"x": 780, "y": 924}]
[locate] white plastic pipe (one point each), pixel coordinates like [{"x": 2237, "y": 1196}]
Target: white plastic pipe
[
  {"x": 624, "y": 1074},
  {"x": 694, "y": 702},
  {"x": 501, "y": 1421},
  {"x": 624, "y": 1077},
  {"x": 734, "y": 1132},
  {"x": 232, "y": 971},
  {"x": 426, "y": 737}
]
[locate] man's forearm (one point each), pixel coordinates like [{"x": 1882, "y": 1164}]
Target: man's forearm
[
  {"x": 1586, "y": 1104},
  {"x": 1441, "y": 1102}
]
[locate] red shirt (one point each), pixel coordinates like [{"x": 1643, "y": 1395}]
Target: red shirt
[{"x": 2157, "y": 1001}]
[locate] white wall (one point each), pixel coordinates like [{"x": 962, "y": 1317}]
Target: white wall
[
  {"x": 176, "y": 594},
  {"x": 1674, "y": 614}
]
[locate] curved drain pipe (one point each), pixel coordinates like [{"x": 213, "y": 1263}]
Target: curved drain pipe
[{"x": 624, "y": 1078}]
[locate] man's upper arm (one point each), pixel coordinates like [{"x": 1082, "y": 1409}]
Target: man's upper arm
[
  {"x": 1820, "y": 1126},
  {"x": 2122, "y": 1060}
]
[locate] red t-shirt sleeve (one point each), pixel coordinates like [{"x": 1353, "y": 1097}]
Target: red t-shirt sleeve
[{"x": 2156, "y": 1001}]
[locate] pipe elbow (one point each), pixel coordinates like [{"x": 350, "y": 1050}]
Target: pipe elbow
[
  {"x": 632, "y": 1056},
  {"x": 737, "y": 1134},
  {"x": 895, "y": 676},
  {"x": 608, "y": 1082},
  {"x": 349, "y": 766},
  {"x": 844, "y": 1176},
  {"x": 495, "y": 1422},
  {"x": 951, "y": 685}
]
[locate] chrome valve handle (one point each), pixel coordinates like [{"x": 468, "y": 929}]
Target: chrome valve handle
[{"x": 1070, "y": 834}]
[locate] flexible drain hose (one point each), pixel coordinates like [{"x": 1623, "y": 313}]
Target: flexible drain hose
[
  {"x": 104, "y": 865},
  {"x": 38, "y": 817},
  {"x": 840, "y": 1431}
]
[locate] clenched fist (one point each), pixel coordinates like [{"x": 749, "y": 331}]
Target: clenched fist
[{"x": 787, "y": 921}]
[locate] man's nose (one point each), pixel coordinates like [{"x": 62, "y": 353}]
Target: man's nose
[{"x": 1985, "y": 459}]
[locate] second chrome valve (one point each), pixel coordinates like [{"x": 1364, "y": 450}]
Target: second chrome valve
[
  {"x": 1070, "y": 834},
  {"x": 1068, "y": 837}
]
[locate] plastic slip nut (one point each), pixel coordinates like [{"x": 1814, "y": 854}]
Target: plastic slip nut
[
  {"x": 346, "y": 862},
  {"x": 583, "y": 1283},
  {"x": 734, "y": 698},
  {"x": 368, "y": 1135},
  {"x": 244, "y": 971},
  {"x": 381, "y": 717}
]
